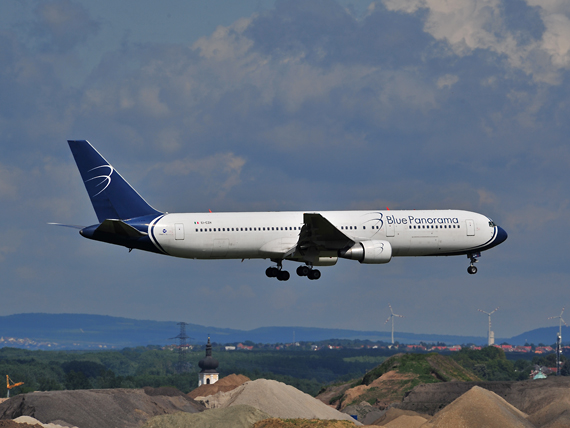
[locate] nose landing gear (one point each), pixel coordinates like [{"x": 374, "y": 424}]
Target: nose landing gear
[{"x": 472, "y": 269}]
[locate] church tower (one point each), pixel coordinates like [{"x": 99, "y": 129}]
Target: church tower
[{"x": 208, "y": 375}]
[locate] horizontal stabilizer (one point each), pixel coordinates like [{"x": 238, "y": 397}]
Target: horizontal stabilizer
[
  {"x": 73, "y": 226},
  {"x": 118, "y": 227}
]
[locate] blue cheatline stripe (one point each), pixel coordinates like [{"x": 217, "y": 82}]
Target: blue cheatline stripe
[{"x": 153, "y": 238}]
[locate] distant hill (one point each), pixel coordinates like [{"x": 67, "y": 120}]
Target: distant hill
[
  {"x": 546, "y": 335},
  {"x": 81, "y": 331}
]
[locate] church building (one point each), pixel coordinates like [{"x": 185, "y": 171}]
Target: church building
[{"x": 208, "y": 375}]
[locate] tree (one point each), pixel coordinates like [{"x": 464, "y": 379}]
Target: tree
[{"x": 75, "y": 380}]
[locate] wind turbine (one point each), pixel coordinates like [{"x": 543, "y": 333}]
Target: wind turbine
[
  {"x": 391, "y": 317},
  {"x": 491, "y": 335},
  {"x": 561, "y": 321}
]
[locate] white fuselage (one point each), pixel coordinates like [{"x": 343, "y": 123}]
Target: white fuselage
[{"x": 272, "y": 234}]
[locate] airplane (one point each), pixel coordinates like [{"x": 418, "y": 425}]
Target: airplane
[{"x": 311, "y": 238}]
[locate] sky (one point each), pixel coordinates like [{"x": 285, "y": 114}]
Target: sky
[{"x": 304, "y": 105}]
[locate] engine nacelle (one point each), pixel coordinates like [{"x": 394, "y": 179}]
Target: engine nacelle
[{"x": 370, "y": 252}]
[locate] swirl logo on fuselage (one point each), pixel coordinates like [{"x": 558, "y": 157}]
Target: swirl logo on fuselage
[
  {"x": 104, "y": 179},
  {"x": 379, "y": 221}
]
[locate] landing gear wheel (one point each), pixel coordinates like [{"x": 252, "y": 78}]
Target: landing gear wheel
[
  {"x": 472, "y": 270},
  {"x": 303, "y": 270},
  {"x": 314, "y": 274},
  {"x": 283, "y": 275},
  {"x": 271, "y": 272}
]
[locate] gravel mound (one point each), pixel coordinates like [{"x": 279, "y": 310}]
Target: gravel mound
[
  {"x": 277, "y": 399},
  {"x": 33, "y": 421},
  {"x": 14, "y": 424},
  {"x": 225, "y": 384},
  {"x": 302, "y": 423},
  {"x": 557, "y": 411},
  {"x": 394, "y": 413},
  {"x": 96, "y": 408},
  {"x": 529, "y": 396},
  {"x": 479, "y": 408},
  {"x": 405, "y": 421},
  {"x": 364, "y": 411},
  {"x": 167, "y": 391},
  {"x": 232, "y": 417}
]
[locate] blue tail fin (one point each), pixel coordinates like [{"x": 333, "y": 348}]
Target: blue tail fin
[{"x": 112, "y": 197}]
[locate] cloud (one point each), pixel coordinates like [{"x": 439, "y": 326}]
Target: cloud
[
  {"x": 447, "y": 81},
  {"x": 61, "y": 25},
  {"x": 220, "y": 172},
  {"x": 534, "y": 39}
]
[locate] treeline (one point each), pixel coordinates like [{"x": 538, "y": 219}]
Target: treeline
[
  {"x": 491, "y": 363},
  {"x": 156, "y": 367}
]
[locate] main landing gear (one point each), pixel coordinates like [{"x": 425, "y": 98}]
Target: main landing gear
[
  {"x": 283, "y": 275},
  {"x": 277, "y": 272},
  {"x": 472, "y": 269},
  {"x": 308, "y": 272}
]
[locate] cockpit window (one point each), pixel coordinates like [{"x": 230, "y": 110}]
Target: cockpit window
[{"x": 492, "y": 223}]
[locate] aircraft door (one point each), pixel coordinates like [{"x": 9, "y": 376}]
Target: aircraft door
[
  {"x": 179, "y": 231},
  {"x": 390, "y": 230},
  {"x": 470, "y": 227}
]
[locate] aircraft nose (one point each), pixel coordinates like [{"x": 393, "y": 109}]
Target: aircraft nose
[{"x": 501, "y": 235}]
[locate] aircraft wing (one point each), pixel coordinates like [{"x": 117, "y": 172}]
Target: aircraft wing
[{"x": 319, "y": 233}]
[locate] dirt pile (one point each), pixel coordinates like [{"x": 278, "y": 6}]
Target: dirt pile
[
  {"x": 394, "y": 413},
  {"x": 103, "y": 408},
  {"x": 387, "y": 389},
  {"x": 225, "y": 384},
  {"x": 556, "y": 414},
  {"x": 479, "y": 408},
  {"x": 232, "y": 417},
  {"x": 14, "y": 424},
  {"x": 364, "y": 412},
  {"x": 277, "y": 399},
  {"x": 389, "y": 382},
  {"x": 33, "y": 421},
  {"x": 302, "y": 423},
  {"x": 405, "y": 421},
  {"x": 529, "y": 396}
]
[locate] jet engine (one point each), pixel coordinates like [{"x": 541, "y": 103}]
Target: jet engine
[{"x": 370, "y": 252}]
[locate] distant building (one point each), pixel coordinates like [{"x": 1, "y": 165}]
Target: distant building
[{"x": 208, "y": 375}]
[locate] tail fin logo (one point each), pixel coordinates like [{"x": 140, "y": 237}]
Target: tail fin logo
[{"x": 103, "y": 180}]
